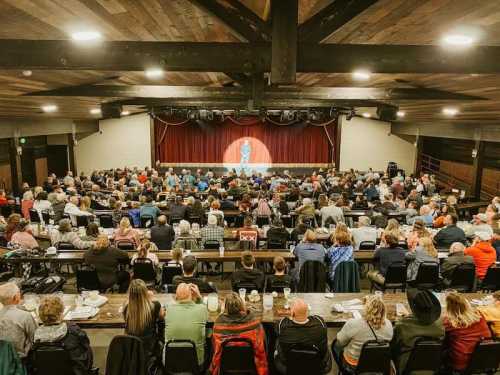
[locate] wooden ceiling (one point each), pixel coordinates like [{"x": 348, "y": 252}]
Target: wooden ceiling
[{"x": 385, "y": 22}]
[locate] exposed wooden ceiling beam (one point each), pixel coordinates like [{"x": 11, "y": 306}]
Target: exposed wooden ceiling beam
[
  {"x": 331, "y": 18},
  {"x": 306, "y": 93},
  {"x": 244, "y": 57},
  {"x": 245, "y": 24}
]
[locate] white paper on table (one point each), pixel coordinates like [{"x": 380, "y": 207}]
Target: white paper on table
[
  {"x": 355, "y": 301},
  {"x": 81, "y": 312},
  {"x": 337, "y": 307},
  {"x": 354, "y": 307},
  {"x": 98, "y": 302},
  {"x": 356, "y": 314}
]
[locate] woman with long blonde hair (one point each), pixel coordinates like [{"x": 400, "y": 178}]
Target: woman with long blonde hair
[
  {"x": 425, "y": 252},
  {"x": 464, "y": 327},
  {"x": 125, "y": 232},
  {"x": 142, "y": 315},
  {"x": 374, "y": 325},
  {"x": 146, "y": 250}
]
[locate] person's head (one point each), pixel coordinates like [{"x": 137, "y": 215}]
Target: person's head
[
  {"x": 61, "y": 197},
  {"x": 28, "y": 195},
  {"x": 162, "y": 220},
  {"x": 279, "y": 265},
  {"x": 189, "y": 265},
  {"x": 392, "y": 225},
  {"x": 307, "y": 202},
  {"x": 65, "y": 226},
  {"x": 457, "y": 247},
  {"x": 125, "y": 223},
  {"x": 234, "y": 305},
  {"x": 51, "y": 310},
  {"x": 299, "y": 311},
  {"x": 145, "y": 247},
  {"x": 277, "y": 223},
  {"x": 42, "y": 196},
  {"x": 343, "y": 239},
  {"x": 309, "y": 236},
  {"x": 215, "y": 205},
  {"x": 10, "y": 294},
  {"x": 184, "y": 227},
  {"x": 247, "y": 221},
  {"x": 424, "y": 305},
  {"x": 459, "y": 311},
  {"x": 92, "y": 230},
  {"x": 451, "y": 219},
  {"x": 391, "y": 239},
  {"x": 364, "y": 221},
  {"x": 247, "y": 259},
  {"x": 426, "y": 244},
  {"x": 418, "y": 226},
  {"x": 102, "y": 242},
  {"x": 139, "y": 308},
  {"x": 184, "y": 293},
  {"x": 212, "y": 220},
  {"x": 425, "y": 210},
  {"x": 375, "y": 311},
  {"x": 149, "y": 199},
  {"x": 177, "y": 255},
  {"x": 74, "y": 200}
]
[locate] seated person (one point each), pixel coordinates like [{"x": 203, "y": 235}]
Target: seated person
[
  {"x": 483, "y": 253},
  {"x": 149, "y": 209},
  {"x": 65, "y": 233},
  {"x": 187, "y": 319},
  {"x": 385, "y": 256},
  {"x": 178, "y": 209},
  {"x": 17, "y": 326},
  {"x": 456, "y": 257},
  {"x": 162, "y": 234},
  {"x": 301, "y": 329},
  {"x": 145, "y": 250},
  {"x": 306, "y": 210},
  {"x": 189, "y": 267},
  {"x": 479, "y": 224},
  {"x": 364, "y": 232},
  {"x": 67, "y": 334},
  {"x": 279, "y": 277},
  {"x": 142, "y": 315},
  {"x": 236, "y": 322},
  {"x": 247, "y": 274},
  {"x": 450, "y": 233},
  {"x": 248, "y": 233},
  {"x": 23, "y": 236},
  {"x": 277, "y": 233},
  {"x": 464, "y": 328},
  {"x": 125, "y": 233},
  {"x": 176, "y": 261},
  {"x": 135, "y": 214},
  {"x": 225, "y": 203},
  {"x": 186, "y": 240},
  {"x": 424, "y": 215},
  {"x": 341, "y": 251},
  {"x": 425, "y": 252},
  {"x": 91, "y": 232},
  {"x": 212, "y": 232},
  {"x": 492, "y": 314},
  {"x": 373, "y": 325},
  {"x": 309, "y": 249},
  {"x": 106, "y": 259},
  {"x": 299, "y": 231},
  {"x": 424, "y": 322},
  {"x": 71, "y": 208}
]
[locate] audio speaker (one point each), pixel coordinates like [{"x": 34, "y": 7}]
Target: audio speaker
[
  {"x": 111, "y": 110},
  {"x": 387, "y": 112}
]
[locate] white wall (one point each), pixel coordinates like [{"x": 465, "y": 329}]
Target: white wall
[
  {"x": 366, "y": 143},
  {"x": 119, "y": 142}
]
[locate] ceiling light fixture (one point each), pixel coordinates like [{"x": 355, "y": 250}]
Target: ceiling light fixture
[
  {"x": 461, "y": 40},
  {"x": 401, "y": 113},
  {"x": 367, "y": 115},
  {"x": 49, "y": 108},
  {"x": 450, "y": 111},
  {"x": 95, "y": 111},
  {"x": 361, "y": 75},
  {"x": 85, "y": 36},
  {"x": 154, "y": 73},
  {"x": 125, "y": 113}
]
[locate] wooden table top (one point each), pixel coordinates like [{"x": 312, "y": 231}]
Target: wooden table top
[{"x": 110, "y": 314}]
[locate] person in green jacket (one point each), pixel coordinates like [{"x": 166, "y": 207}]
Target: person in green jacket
[{"x": 424, "y": 322}]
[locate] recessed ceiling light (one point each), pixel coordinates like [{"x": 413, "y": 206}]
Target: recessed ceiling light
[
  {"x": 154, "y": 73},
  {"x": 49, "y": 108},
  {"x": 450, "y": 111},
  {"x": 367, "y": 115},
  {"x": 458, "y": 40},
  {"x": 361, "y": 75},
  {"x": 27, "y": 73},
  {"x": 401, "y": 113},
  {"x": 125, "y": 113},
  {"x": 83, "y": 36},
  {"x": 95, "y": 111}
]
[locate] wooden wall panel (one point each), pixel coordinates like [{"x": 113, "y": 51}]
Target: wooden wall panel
[
  {"x": 490, "y": 181},
  {"x": 41, "y": 170},
  {"x": 5, "y": 177}
]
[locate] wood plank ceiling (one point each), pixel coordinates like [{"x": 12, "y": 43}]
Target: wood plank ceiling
[{"x": 386, "y": 22}]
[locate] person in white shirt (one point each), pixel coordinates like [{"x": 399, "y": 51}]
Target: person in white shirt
[
  {"x": 73, "y": 211},
  {"x": 41, "y": 204},
  {"x": 331, "y": 211},
  {"x": 363, "y": 232}
]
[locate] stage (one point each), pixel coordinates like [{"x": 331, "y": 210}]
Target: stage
[{"x": 224, "y": 168}]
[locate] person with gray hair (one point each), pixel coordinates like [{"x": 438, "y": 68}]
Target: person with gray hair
[
  {"x": 456, "y": 257},
  {"x": 186, "y": 240},
  {"x": 331, "y": 212},
  {"x": 363, "y": 232},
  {"x": 16, "y": 326},
  {"x": 212, "y": 232},
  {"x": 65, "y": 233},
  {"x": 58, "y": 206}
]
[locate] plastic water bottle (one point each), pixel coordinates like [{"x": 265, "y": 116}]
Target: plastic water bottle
[{"x": 221, "y": 251}]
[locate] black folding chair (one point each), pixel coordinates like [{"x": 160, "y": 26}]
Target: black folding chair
[
  {"x": 195, "y": 219},
  {"x": 181, "y": 358},
  {"x": 173, "y": 219},
  {"x": 237, "y": 357},
  {"x": 485, "y": 358},
  {"x": 147, "y": 221},
  {"x": 425, "y": 356},
  {"x": 463, "y": 278},
  {"x": 168, "y": 273},
  {"x": 34, "y": 217},
  {"x": 87, "y": 279},
  {"x": 125, "y": 245},
  {"x": 277, "y": 286},
  {"x": 367, "y": 245},
  {"x": 82, "y": 221},
  {"x": 491, "y": 281},
  {"x": 106, "y": 221},
  {"x": 61, "y": 246},
  {"x": 133, "y": 363},
  {"x": 248, "y": 285},
  {"x": 144, "y": 269},
  {"x": 211, "y": 244},
  {"x": 262, "y": 220},
  {"x": 303, "y": 359},
  {"x": 395, "y": 278},
  {"x": 375, "y": 357},
  {"x": 275, "y": 244},
  {"x": 427, "y": 276}
]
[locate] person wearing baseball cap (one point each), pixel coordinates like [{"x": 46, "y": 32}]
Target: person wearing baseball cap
[
  {"x": 424, "y": 321},
  {"x": 483, "y": 253},
  {"x": 479, "y": 224}
]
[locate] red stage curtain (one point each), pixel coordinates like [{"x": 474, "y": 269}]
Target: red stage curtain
[{"x": 218, "y": 142}]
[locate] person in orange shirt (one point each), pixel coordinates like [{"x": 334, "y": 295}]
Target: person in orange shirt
[
  {"x": 483, "y": 253},
  {"x": 492, "y": 314},
  {"x": 143, "y": 177}
]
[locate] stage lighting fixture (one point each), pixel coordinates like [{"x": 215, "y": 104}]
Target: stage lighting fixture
[{"x": 350, "y": 115}]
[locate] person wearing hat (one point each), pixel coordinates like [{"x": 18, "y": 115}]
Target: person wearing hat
[
  {"x": 479, "y": 224},
  {"x": 483, "y": 253},
  {"x": 423, "y": 322}
]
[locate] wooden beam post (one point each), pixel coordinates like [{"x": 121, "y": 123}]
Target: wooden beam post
[
  {"x": 477, "y": 169},
  {"x": 285, "y": 15},
  {"x": 71, "y": 155},
  {"x": 15, "y": 165},
  {"x": 419, "y": 141}
]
